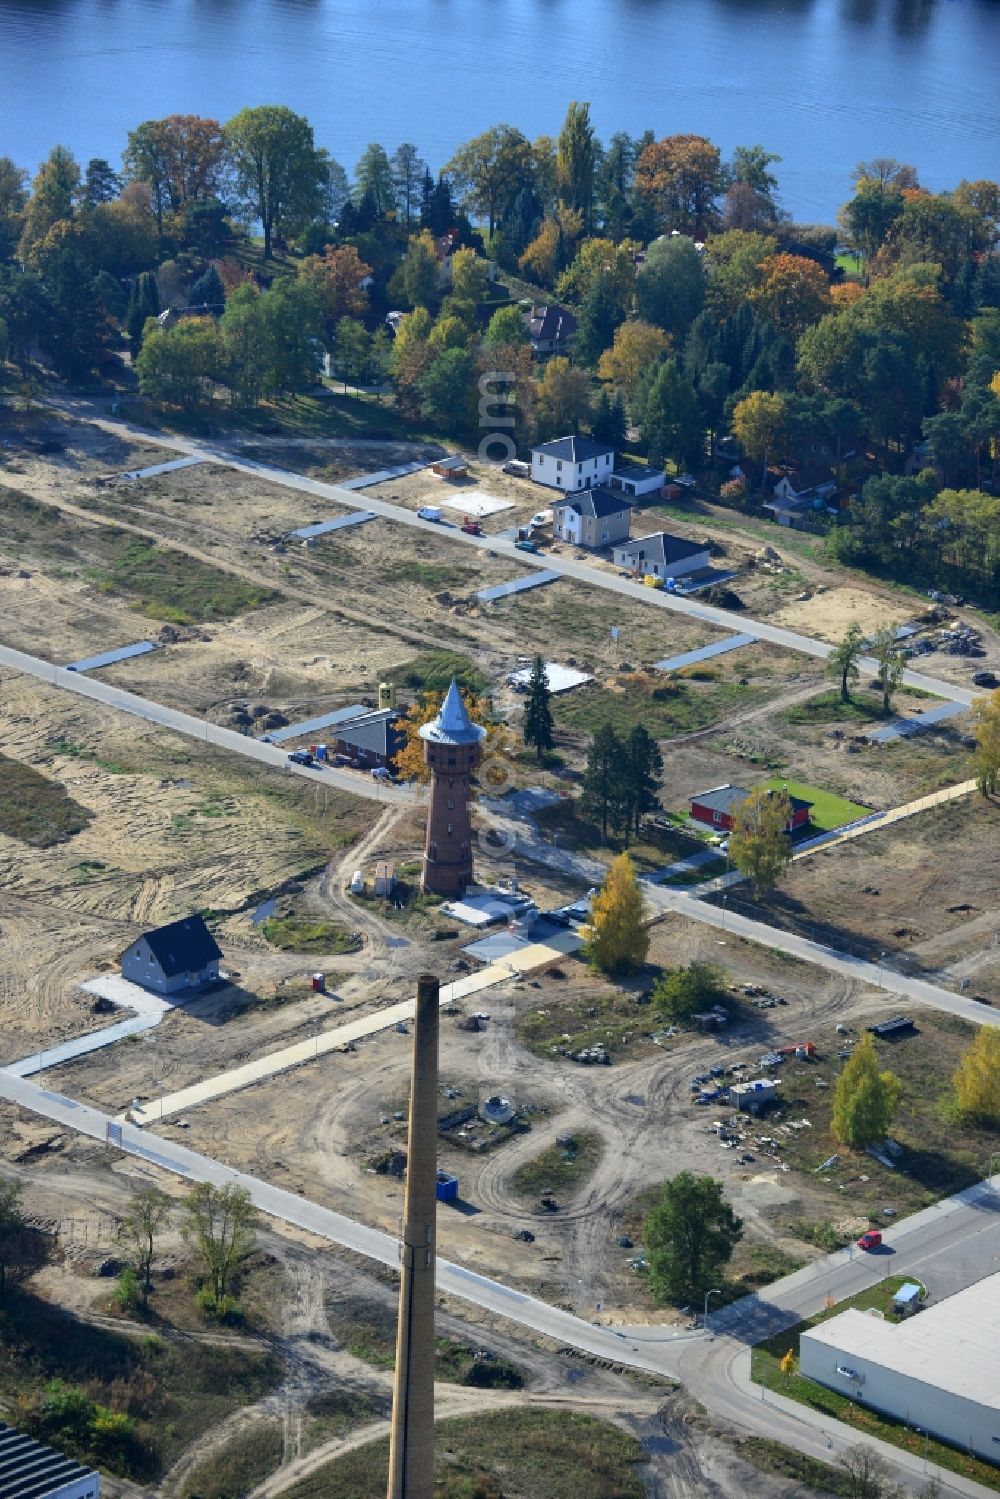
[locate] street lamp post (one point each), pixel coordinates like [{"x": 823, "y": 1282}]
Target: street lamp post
[
  {"x": 725, "y": 897},
  {"x": 707, "y": 1295},
  {"x": 881, "y": 963}
]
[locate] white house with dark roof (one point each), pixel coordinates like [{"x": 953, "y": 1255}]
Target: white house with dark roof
[
  {"x": 663, "y": 556},
  {"x": 591, "y": 518},
  {"x": 550, "y": 329},
  {"x": 181, "y": 955},
  {"x": 572, "y": 463}
]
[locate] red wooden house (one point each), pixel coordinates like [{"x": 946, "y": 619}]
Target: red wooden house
[{"x": 717, "y": 807}]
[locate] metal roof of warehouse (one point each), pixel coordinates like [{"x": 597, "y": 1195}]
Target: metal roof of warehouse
[
  {"x": 30, "y": 1470},
  {"x": 951, "y": 1345}
]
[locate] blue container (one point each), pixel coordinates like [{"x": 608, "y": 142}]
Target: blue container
[
  {"x": 321, "y": 752},
  {"x": 446, "y": 1189}
]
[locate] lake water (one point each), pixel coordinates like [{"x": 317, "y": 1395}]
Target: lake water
[{"x": 823, "y": 82}]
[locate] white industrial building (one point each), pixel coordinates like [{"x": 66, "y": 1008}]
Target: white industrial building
[{"x": 936, "y": 1371}]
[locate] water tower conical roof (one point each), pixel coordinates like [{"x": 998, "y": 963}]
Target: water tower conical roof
[{"x": 453, "y": 724}]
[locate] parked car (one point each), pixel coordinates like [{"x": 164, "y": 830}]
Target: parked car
[
  {"x": 300, "y": 757},
  {"x": 984, "y": 678},
  {"x": 525, "y": 546},
  {"x": 870, "y": 1240},
  {"x": 472, "y": 527},
  {"x": 380, "y": 773},
  {"x": 430, "y": 512}
]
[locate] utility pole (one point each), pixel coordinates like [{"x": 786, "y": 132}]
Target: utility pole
[{"x": 411, "y": 1449}]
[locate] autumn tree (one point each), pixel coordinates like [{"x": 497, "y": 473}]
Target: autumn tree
[
  {"x": 793, "y": 292},
  {"x": 636, "y": 347},
  {"x": 507, "y": 328},
  {"x": 219, "y": 1227},
  {"x": 759, "y": 845},
  {"x": 865, "y": 1099},
  {"x": 681, "y": 177},
  {"x": 147, "y": 1214},
  {"x": 417, "y": 281},
  {"x": 409, "y": 761},
  {"x": 758, "y": 421},
  {"x": 336, "y": 278},
  {"x": 842, "y": 661},
  {"x": 469, "y": 280},
  {"x": 489, "y": 170},
  {"x": 278, "y": 172},
  {"x": 177, "y": 366},
  {"x": 411, "y": 355},
  {"x": 891, "y": 661},
  {"x": 617, "y": 939},
  {"x": 986, "y": 729},
  {"x": 563, "y": 398},
  {"x": 538, "y": 723},
  {"x": 689, "y": 1236},
  {"x": 977, "y": 1080},
  {"x": 540, "y": 259}
]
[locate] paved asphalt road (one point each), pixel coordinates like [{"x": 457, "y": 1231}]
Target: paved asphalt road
[
  {"x": 358, "y": 783},
  {"x": 580, "y": 571},
  {"x": 880, "y": 975},
  {"x": 947, "y": 1247}
]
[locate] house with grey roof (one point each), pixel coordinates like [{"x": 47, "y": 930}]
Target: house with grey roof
[
  {"x": 572, "y": 463},
  {"x": 663, "y": 556},
  {"x": 592, "y": 518},
  {"x": 371, "y": 739},
  {"x": 550, "y": 329},
  {"x": 181, "y": 955},
  {"x": 31, "y": 1470},
  {"x": 717, "y": 808}
]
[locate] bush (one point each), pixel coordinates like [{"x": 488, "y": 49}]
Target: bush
[
  {"x": 128, "y": 1293},
  {"x": 682, "y": 992}
]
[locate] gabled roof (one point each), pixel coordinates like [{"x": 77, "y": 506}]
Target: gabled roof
[
  {"x": 184, "y": 946},
  {"x": 453, "y": 724},
  {"x": 30, "y": 1470},
  {"x": 594, "y": 504},
  {"x": 551, "y": 322},
  {"x": 573, "y": 449},
  {"x": 375, "y": 732},
  {"x": 661, "y": 548},
  {"x": 727, "y": 798}
]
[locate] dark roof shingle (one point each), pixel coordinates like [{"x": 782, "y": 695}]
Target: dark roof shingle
[
  {"x": 573, "y": 449},
  {"x": 184, "y": 946},
  {"x": 662, "y": 548},
  {"x": 594, "y": 504}
]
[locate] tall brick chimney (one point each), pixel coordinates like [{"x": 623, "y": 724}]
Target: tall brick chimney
[
  {"x": 411, "y": 1446},
  {"x": 452, "y": 750}
]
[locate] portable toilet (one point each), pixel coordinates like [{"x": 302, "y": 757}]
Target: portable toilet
[
  {"x": 386, "y": 695},
  {"x": 318, "y": 982},
  {"x": 446, "y": 1187},
  {"x": 321, "y": 752},
  {"x": 357, "y": 883}
]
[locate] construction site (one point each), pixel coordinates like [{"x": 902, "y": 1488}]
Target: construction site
[{"x": 157, "y": 786}]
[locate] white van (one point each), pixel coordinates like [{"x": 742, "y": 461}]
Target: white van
[{"x": 430, "y": 512}]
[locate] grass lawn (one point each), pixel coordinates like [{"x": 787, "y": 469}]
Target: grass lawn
[
  {"x": 168, "y": 585},
  {"x": 765, "y": 1369},
  {"x": 171, "y": 1391},
  {"x": 829, "y": 707},
  {"x": 299, "y": 934},
  {"x": 432, "y": 671},
  {"x": 35, "y": 809},
  {"x": 615, "y": 1020},
  {"x": 367, "y": 1329},
  {"x": 526, "y": 1454},
  {"x": 849, "y": 263},
  {"x": 664, "y": 707},
  {"x": 558, "y": 1170},
  {"x": 240, "y": 1466},
  {"x": 828, "y": 811}
]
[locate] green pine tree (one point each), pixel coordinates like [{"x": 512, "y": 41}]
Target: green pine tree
[{"x": 538, "y": 710}]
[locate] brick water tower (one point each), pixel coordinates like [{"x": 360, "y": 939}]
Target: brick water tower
[{"x": 452, "y": 748}]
